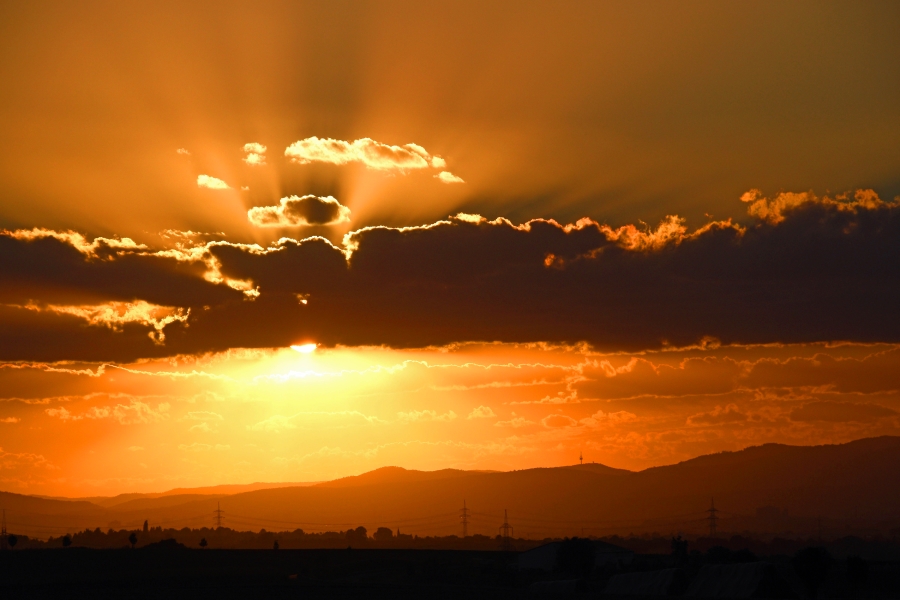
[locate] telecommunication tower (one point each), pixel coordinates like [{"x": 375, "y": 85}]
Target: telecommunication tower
[
  {"x": 506, "y": 531},
  {"x": 464, "y": 517},
  {"x": 218, "y": 516},
  {"x": 712, "y": 517}
]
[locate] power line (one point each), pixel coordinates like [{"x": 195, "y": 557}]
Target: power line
[
  {"x": 712, "y": 517},
  {"x": 506, "y": 530},
  {"x": 464, "y": 516}
]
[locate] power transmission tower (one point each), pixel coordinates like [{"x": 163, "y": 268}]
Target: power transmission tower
[
  {"x": 218, "y": 516},
  {"x": 506, "y": 530},
  {"x": 712, "y": 517},
  {"x": 464, "y": 517},
  {"x": 3, "y": 535}
]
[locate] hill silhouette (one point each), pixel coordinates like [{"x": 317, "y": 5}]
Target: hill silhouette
[{"x": 848, "y": 483}]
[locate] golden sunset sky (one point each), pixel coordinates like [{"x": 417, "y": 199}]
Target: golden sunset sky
[{"x": 496, "y": 235}]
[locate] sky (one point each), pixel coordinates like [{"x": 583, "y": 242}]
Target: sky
[{"x": 294, "y": 241}]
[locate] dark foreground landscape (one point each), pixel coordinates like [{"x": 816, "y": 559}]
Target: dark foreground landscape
[{"x": 170, "y": 570}]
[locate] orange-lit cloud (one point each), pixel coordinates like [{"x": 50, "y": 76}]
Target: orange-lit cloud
[
  {"x": 372, "y": 154},
  {"x": 255, "y": 154},
  {"x": 300, "y": 211},
  {"x": 448, "y": 177},
  {"x": 211, "y": 183}
]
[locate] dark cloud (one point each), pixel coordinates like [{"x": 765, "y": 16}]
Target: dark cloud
[
  {"x": 824, "y": 270},
  {"x": 298, "y": 211},
  {"x": 840, "y": 412}
]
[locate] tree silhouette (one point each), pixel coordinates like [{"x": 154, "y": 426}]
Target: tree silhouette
[
  {"x": 12, "y": 540},
  {"x": 67, "y": 541},
  {"x": 133, "y": 539},
  {"x": 679, "y": 550},
  {"x": 383, "y": 534},
  {"x": 203, "y": 542},
  {"x": 812, "y": 566},
  {"x": 275, "y": 545},
  {"x": 146, "y": 526}
]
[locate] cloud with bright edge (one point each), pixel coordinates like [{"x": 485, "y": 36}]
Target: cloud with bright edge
[
  {"x": 425, "y": 415},
  {"x": 448, "y": 177},
  {"x": 256, "y": 154},
  {"x": 300, "y": 211},
  {"x": 482, "y": 412},
  {"x": 372, "y": 154},
  {"x": 211, "y": 183}
]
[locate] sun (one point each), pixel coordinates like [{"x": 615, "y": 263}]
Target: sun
[{"x": 305, "y": 348}]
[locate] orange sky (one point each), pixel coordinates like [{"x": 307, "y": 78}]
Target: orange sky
[{"x": 516, "y": 232}]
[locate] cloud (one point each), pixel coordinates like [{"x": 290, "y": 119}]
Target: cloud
[
  {"x": 115, "y": 315},
  {"x": 482, "y": 412},
  {"x": 199, "y": 447},
  {"x": 183, "y": 152},
  {"x": 448, "y": 177},
  {"x": 372, "y": 154},
  {"x": 135, "y": 448},
  {"x": 126, "y": 414},
  {"x": 840, "y": 412},
  {"x": 203, "y": 415},
  {"x": 300, "y": 211},
  {"x": 256, "y": 154},
  {"x": 274, "y": 424},
  {"x": 718, "y": 416},
  {"x": 211, "y": 183},
  {"x": 515, "y": 422},
  {"x": 425, "y": 415},
  {"x": 554, "y": 421},
  {"x": 468, "y": 279},
  {"x": 601, "y": 418},
  {"x": 10, "y": 420}
]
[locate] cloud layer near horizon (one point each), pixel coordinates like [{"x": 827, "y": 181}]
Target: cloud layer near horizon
[{"x": 806, "y": 269}]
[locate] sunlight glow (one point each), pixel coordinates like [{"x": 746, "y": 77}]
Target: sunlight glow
[{"x": 305, "y": 348}]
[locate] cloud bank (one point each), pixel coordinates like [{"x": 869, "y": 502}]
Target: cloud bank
[{"x": 821, "y": 270}]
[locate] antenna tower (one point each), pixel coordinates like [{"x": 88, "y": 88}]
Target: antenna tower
[
  {"x": 712, "y": 518},
  {"x": 506, "y": 530},
  {"x": 218, "y": 516},
  {"x": 580, "y": 458},
  {"x": 464, "y": 517}
]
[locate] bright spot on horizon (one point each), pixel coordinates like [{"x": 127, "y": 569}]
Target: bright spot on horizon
[{"x": 304, "y": 348}]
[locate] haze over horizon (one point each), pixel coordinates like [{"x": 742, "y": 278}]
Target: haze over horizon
[{"x": 296, "y": 241}]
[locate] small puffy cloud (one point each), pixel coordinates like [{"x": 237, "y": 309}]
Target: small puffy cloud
[
  {"x": 126, "y": 414},
  {"x": 211, "y": 183},
  {"x": 554, "y": 421},
  {"x": 448, "y": 177},
  {"x": 201, "y": 427},
  {"x": 183, "y": 152},
  {"x": 482, "y": 412},
  {"x": 273, "y": 424},
  {"x": 372, "y": 154},
  {"x": 515, "y": 422},
  {"x": 202, "y": 415},
  {"x": 600, "y": 418},
  {"x": 840, "y": 412},
  {"x": 719, "y": 415},
  {"x": 256, "y": 154},
  {"x": 425, "y": 415},
  {"x": 300, "y": 211},
  {"x": 198, "y": 447},
  {"x": 135, "y": 448},
  {"x": 10, "y": 420},
  {"x": 437, "y": 162}
]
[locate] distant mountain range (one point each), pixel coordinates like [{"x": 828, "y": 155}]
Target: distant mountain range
[{"x": 845, "y": 488}]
